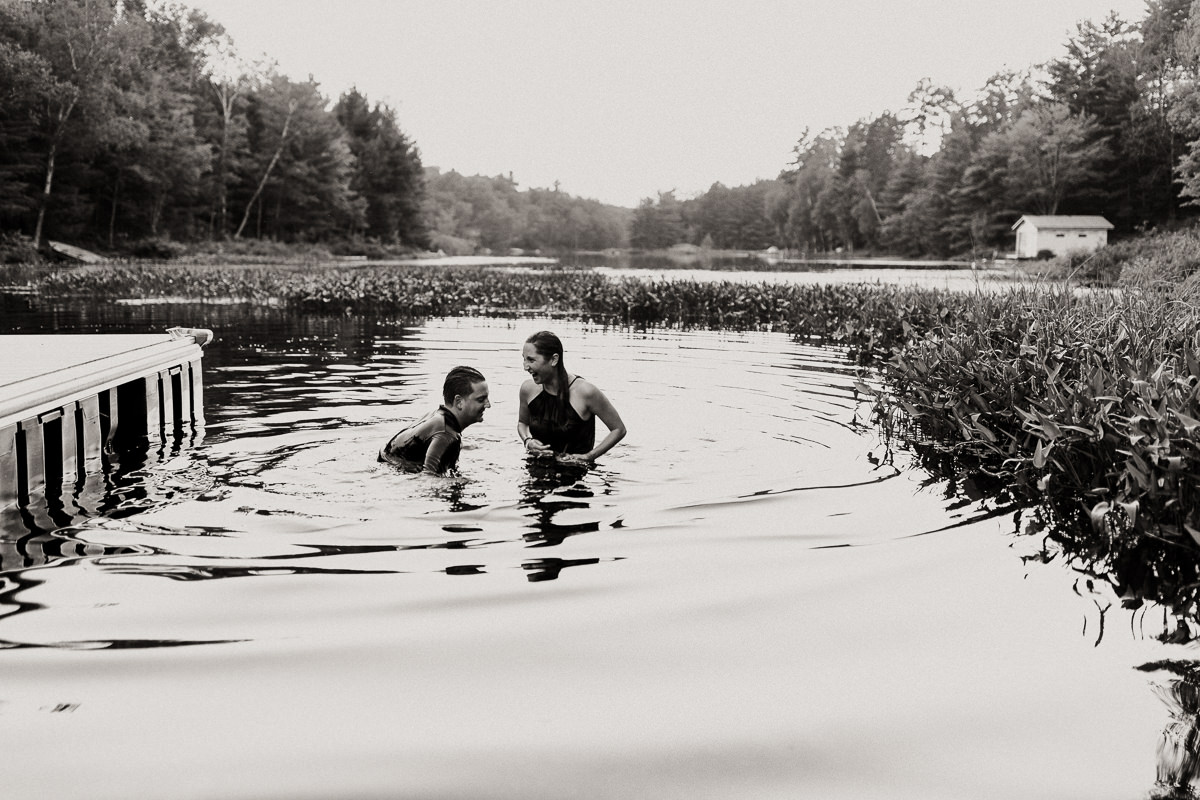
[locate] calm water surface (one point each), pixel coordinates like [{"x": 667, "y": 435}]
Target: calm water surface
[
  {"x": 740, "y": 600},
  {"x": 985, "y": 275}
]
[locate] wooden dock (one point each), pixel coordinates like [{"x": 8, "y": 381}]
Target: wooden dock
[{"x": 65, "y": 400}]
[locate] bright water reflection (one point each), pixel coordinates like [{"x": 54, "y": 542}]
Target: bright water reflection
[
  {"x": 982, "y": 275},
  {"x": 740, "y": 600}
]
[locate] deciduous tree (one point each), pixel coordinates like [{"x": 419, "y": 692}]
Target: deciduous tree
[
  {"x": 79, "y": 42},
  {"x": 1050, "y": 153}
]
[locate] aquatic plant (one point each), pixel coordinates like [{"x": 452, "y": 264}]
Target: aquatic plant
[
  {"x": 1085, "y": 407},
  {"x": 871, "y": 319}
]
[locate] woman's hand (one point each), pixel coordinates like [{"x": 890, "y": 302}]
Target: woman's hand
[
  {"x": 534, "y": 447},
  {"x": 575, "y": 458}
]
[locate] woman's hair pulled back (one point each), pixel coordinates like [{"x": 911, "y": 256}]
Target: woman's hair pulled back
[{"x": 547, "y": 345}]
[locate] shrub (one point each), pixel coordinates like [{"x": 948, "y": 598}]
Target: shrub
[
  {"x": 1168, "y": 258},
  {"x": 1098, "y": 268},
  {"x": 256, "y": 251},
  {"x": 450, "y": 245},
  {"x": 156, "y": 247},
  {"x": 370, "y": 247},
  {"x": 16, "y": 248}
]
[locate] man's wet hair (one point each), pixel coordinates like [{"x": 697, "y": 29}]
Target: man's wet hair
[{"x": 460, "y": 381}]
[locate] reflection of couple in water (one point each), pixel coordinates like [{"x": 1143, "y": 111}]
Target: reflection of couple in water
[{"x": 556, "y": 420}]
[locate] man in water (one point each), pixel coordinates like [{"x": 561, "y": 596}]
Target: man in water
[{"x": 431, "y": 444}]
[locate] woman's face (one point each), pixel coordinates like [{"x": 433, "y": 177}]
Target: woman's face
[{"x": 540, "y": 368}]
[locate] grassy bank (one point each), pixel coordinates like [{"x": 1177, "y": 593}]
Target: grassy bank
[
  {"x": 1161, "y": 257},
  {"x": 19, "y": 249}
]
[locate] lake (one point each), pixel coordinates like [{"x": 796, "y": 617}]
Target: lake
[
  {"x": 745, "y": 598},
  {"x": 749, "y": 268}
]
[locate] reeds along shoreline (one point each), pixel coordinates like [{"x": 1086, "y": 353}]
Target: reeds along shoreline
[
  {"x": 872, "y": 320},
  {"x": 1083, "y": 405}
]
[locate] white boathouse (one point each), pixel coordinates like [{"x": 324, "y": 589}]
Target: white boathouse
[{"x": 1060, "y": 234}]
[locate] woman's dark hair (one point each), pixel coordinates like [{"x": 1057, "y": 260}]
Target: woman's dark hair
[
  {"x": 547, "y": 344},
  {"x": 460, "y": 380}
]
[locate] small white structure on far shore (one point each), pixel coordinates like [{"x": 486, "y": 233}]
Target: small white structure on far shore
[{"x": 1060, "y": 234}]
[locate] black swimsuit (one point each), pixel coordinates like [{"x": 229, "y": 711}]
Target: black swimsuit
[
  {"x": 565, "y": 433},
  {"x": 431, "y": 443}
]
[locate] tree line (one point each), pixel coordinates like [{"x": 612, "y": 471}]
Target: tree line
[
  {"x": 127, "y": 125},
  {"x": 123, "y": 122},
  {"x": 468, "y": 214},
  {"x": 1111, "y": 127}
]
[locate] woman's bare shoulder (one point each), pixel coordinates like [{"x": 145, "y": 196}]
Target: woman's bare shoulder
[
  {"x": 584, "y": 386},
  {"x": 587, "y": 390}
]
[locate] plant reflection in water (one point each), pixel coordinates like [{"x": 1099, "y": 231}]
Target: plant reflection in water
[
  {"x": 1118, "y": 563},
  {"x": 1179, "y": 746}
]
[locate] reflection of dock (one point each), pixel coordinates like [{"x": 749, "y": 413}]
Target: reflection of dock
[{"x": 64, "y": 401}]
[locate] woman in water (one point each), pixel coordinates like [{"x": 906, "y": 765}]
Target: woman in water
[{"x": 558, "y": 409}]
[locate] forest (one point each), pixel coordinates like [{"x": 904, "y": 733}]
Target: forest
[
  {"x": 126, "y": 125},
  {"x": 136, "y": 127},
  {"x": 1110, "y": 127}
]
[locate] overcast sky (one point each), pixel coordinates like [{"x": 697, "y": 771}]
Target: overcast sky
[{"x": 617, "y": 100}]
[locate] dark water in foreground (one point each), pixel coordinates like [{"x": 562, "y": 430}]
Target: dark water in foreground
[{"x": 739, "y": 601}]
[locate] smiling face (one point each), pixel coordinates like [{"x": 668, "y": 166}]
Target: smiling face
[
  {"x": 469, "y": 408},
  {"x": 540, "y": 368}
]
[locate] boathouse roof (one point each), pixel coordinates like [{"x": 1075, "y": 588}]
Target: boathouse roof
[{"x": 1082, "y": 222}]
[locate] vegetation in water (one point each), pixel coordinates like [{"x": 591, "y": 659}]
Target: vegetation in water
[
  {"x": 1083, "y": 407},
  {"x": 871, "y": 320},
  {"x": 1077, "y": 409}
]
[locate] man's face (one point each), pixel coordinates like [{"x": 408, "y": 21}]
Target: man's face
[{"x": 472, "y": 406}]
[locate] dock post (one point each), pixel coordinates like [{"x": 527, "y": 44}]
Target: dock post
[
  {"x": 197, "y": 393},
  {"x": 31, "y": 458},
  {"x": 60, "y": 458},
  {"x": 66, "y": 420},
  {"x": 183, "y": 395},
  {"x": 89, "y": 491},
  {"x": 154, "y": 419},
  {"x": 8, "y": 465},
  {"x": 109, "y": 417},
  {"x": 166, "y": 390},
  {"x": 90, "y": 436}
]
